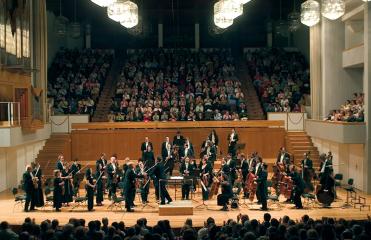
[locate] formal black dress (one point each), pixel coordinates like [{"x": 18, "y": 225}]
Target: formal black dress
[
  {"x": 39, "y": 195},
  {"x": 57, "y": 193},
  {"x": 99, "y": 172},
  {"x": 90, "y": 192},
  {"x": 261, "y": 189},
  {"x": 29, "y": 189}
]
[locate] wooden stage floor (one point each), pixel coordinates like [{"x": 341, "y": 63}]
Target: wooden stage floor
[{"x": 15, "y": 215}]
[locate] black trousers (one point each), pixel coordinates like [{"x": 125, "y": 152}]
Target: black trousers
[
  {"x": 262, "y": 197},
  {"x": 90, "y": 195},
  {"x": 30, "y": 200},
  {"x": 129, "y": 197},
  {"x": 144, "y": 190},
  {"x": 164, "y": 193},
  {"x": 232, "y": 149},
  {"x": 112, "y": 189},
  {"x": 186, "y": 188},
  {"x": 100, "y": 193},
  {"x": 297, "y": 197},
  {"x": 222, "y": 200}
]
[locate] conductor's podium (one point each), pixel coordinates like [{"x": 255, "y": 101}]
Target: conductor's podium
[{"x": 176, "y": 208}]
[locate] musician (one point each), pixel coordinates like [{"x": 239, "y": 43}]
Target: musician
[
  {"x": 283, "y": 158},
  {"x": 186, "y": 170},
  {"x": 211, "y": 152},
  {"x": 38, "y": 194},
  {"x": 68, "y": 186},
  {"x": 230, "y": 169},
  {"x": 129, "y": 186},
  {"x": 299, "y": 187},
  {"x": 257, "y": 170},
  {"x": 232, "y": 142},
  {"x": 167, "y": 155},
  {"x": 226, "y": 195},
  {"x": 327, "y": 183},
  {"x": 149, "y": 157},
  {"x": 213, "y": 137},
  {"x": 60, "y": 163},
  {"x": 307, "y": 171},
  {"x": 206, "y": 171},
  {"x": 144, "y": 183},
  {"x": 262, "y": 189},
  {"x": 28, "y": 186},
  {"x": 100, "y": 169},
  {"x": 90, "y": 188},
  {"x": 159, "y": 172},
  {"x": 178, "y": 140},
  {"x": 186, "y": 151},
  {"x": 247, "y": 165},
  {"x": 74, "y": 170},
  {"x": 144, "y": 146},
  {"x": 112, "y": 171},
  {"x": 58, "y": 190},
  {"x": 325, "y": 166}
]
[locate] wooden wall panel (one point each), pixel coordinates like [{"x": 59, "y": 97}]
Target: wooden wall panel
[{"x": 88, "y": 144}]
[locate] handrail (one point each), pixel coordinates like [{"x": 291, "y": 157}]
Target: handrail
[
  {"x": 178, "y": 124},
  {"x": 337, "y": 122}
]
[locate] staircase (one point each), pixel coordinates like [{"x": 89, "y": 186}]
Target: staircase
[
  {"x": 254, "y": 108},
  {"x": 298, "y": 143},
  {"x": 104, "y": 103},
  {"x": 55, "y": 145}
]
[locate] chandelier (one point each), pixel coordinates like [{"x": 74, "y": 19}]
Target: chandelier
[
  {"x": 116, "y": 10},
  {"x": 310, "y": 13},
  {"x": 131, "y": 17},
  {"x": 60, "y": 25},
  {"x": 246, "y": 1},
  {"x": 103, "y": 3},
  {"x": 229, "y": 8},
  {"x": 333, "y": 9}
]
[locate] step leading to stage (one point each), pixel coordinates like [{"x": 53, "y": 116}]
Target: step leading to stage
[{"x": 176, "y": 208}]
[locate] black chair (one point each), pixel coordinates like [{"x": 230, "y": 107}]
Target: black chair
[
  {"x": 49, "y": 199},
  {"x": 80, "y": 202},
  {"x": 116, "y": 202},
  {"x": 338, "y": 178},
  {"x": 351, "y": 193},
  {"x": 19, "y": 199},
  {"x": 273, "y": 199}
]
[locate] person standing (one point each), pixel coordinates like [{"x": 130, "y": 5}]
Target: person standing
[
  {"x": 213, "y": 137},
  {"x": 58, "y": 190},
  {"x": 39, "y": 195},
  {"x": 145, "y": 182},
  {"x": 232, "y": 142},
  {"x": 100, "y": 170},
  {"x": 112, "y": 172},
  {"x": 186, "y": 170},
  {"x": 307, "y": 171},
  {"x": 178, "y": 140},
  {"x": 60, "y": 163},
  {"x": 129, "y": 188},
  {"x": 90, "y": 188},
  {"x": 144, "y": 146},
  {"x": 159, "y": 172},
  {"x": 148, "y": 157},
  {"x": 167, "y": 156},
  {"x": 28, "y": 186},
  {"x": 298, "y": 188},
  {"x": 262, "y": 190}
]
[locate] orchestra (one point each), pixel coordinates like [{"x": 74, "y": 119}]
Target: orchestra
[{"x": 237, "y": 171}]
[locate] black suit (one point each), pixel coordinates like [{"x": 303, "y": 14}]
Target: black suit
[
  {"x": 298, "y": 189},
  {"x": 29, "y": 189},
  {"x": 148, "y": 159},
  {"x": 187, "y": 172},
  {"x": 232, "y": 144},
  {"x": 179, "y": 141},
  {"x": 262, "y": 187},
  {"x": 59, "y": 166},
  {"x": 307, "y": 171},
  {"x": 159, "y": 172},
  {"x": 212, "y": 154},
  {"x": 325, "y": 170},
  {"x": 227, "y": 193},
  {"x": 216, "y": 139},
  {"x": 112, "y": 179},
  {"x": 129, "y": 187},
  {"x": 143, "y": 147},
  {"x": 186, "y": 153}
]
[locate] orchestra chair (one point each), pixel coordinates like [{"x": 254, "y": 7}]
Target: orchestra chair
[
  {"x": 80, "y": 201},
  {"x": 49, "y": 183},
  {"x": 19, "y": 199},
  {"x": 309, "y": 199},
  {"x": 272, "y": 199},
  {"x": 351, "y": 193},
  {"x": 338, "y": 178},
  {"x": 48, "y": 197},
  {"x": 116, "y": 203}
]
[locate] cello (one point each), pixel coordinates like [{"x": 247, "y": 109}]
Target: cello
[
  {"x": 286, "y": 186},
  {"x": 251, "y": 185}
]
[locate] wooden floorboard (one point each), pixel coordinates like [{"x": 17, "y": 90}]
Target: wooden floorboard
[{"x": 15, "y": 215}]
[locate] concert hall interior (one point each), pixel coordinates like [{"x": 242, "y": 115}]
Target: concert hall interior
[{"x": 135, "y": 119}]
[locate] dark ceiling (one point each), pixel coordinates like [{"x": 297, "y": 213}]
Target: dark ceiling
[{"x": 176, "y": 15}]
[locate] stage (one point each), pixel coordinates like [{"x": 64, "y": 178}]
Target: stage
[{"x": 15, "y": 215}]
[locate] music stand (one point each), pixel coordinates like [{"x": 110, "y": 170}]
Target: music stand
[{"x": 202, "y": 205}]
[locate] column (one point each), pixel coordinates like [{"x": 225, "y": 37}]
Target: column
[
  {"x": 88, "y": 36},
  {"x": 315, "y": 70},
  {"x": 160, "y": 30},
  {"x": 269, "y": 34},
  {"x": 197, "y": 36},
  {"x": 367, "y": 92}
]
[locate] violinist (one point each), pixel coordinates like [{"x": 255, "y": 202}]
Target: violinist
[
  {"x": 232, "y": 142},
  {"x": 211, "y": 152},
  {"x": 74, "y": 171},
  {"x": 247, "y": 165},
  {"x": 299, "y": 187},
  {"x": 129, "y": 186},
  {"x": 58, "y": 190},
  {"x": 90, "y": 188},
  {"x": 68, "y": 186},
  {"x": 144, "y": 182},
  {"x": 167, "y": 155},
  {"x": 38, "y": 194},
  {"x": 307, "y": 171},
  {"x": 60, "y": 163},
  {"x": 100, "y": 170},
  {"x": 186, "y": 170},
  {"x": 28, "y": 186},
  {"x": 205, "y": 176},
  {"x": 326, "y": 165},
  {"x": 213, "y": 137},
  {"x": 112, "y": 170},
  {"x": 187, "y": 151},
  {"x": 257, "y": 170},
  {"x": 230, "y": 169},
  {"x": 262, "y": 189}
]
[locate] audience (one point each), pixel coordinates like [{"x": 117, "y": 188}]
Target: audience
[
  {"x": 178, "y": 85},
  {"x": 281, "y": 78},
  {"x": 351, "y": 111},
  {"x": 76, "y": 78},
  {"x": 242, "y": 228}
]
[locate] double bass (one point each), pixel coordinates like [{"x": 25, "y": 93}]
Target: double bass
[
  {"x": 278, "y": 174},
  {"x": 286, "y": 186},
  {"x": 251, "y": 185},
  {"x": 325, "y": 191}
]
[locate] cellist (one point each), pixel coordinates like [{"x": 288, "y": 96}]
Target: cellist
[{"x": 205, "y": 176}]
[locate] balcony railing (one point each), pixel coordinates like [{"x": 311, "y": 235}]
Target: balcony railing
[{"x": 10, "y": 113}]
